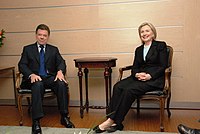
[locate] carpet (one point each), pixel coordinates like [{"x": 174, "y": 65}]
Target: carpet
[{"x": 50, "y": 130}]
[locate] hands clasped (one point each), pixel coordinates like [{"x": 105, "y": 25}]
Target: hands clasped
[{"x": 143, "y": 76}]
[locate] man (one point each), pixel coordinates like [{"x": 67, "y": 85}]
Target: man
[
  {"x": 186, "y": 130},
  {"x": 43, "y": 67}
]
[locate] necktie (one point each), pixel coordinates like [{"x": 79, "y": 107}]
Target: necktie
[{"x": 42, "y": 71}]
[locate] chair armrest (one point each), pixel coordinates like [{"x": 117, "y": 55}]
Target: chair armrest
[
  {"x": 167, "y": 86},
  {"x": 17, "y": 80},
  {"x": 121, "y": 70}
]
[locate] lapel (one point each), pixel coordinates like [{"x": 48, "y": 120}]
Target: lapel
[
  {"x": 36, "y": 52},
  {"x": 141, "y": 53},
  {"x": 47, "y": 53},
  {"x": 151, "y": 50}
]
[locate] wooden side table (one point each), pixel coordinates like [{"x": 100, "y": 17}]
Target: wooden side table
[
  {"x": 94, "y": 62},
  {"x": 7, "y": 69}
]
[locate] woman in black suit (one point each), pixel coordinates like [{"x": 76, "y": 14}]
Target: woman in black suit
[{"x": 147, "y": 74}]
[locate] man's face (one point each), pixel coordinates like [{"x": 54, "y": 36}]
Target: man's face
[{"x": 42, "y": 36}]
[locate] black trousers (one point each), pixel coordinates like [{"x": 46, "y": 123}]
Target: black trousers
[
  {"x": 60, "y": 88},
  {"x": 124, "y": 94}
]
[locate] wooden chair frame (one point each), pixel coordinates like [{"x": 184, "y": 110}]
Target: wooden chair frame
[
  {"x": 160, "y": 96},
  {"x": 26, "y": 93}
]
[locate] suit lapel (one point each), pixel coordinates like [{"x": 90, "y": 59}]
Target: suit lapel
[
  {"x": 47, "y": 53},
  {"x": 140, "y": 56},
  {"x": 36, "y": 53},
  {"x": 151, "y": 50}
]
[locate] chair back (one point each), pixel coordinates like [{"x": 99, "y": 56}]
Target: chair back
[
  {"x": 170, "y": 55},
  {"x": 168, "y": 71}
]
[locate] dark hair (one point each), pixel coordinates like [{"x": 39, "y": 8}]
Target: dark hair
[{"x": 43, "y": 27}]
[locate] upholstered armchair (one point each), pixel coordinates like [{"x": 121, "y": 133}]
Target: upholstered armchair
[{"x": 163, "y": 96}]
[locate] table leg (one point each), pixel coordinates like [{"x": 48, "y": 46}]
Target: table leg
[
  {"x": 13, "y": 73},
  {"x": 106, "y": 75},
  {"x": 80, "y": 75},
  {"x": 110, "y": 83},
  {"x": 86, "y": 89}
]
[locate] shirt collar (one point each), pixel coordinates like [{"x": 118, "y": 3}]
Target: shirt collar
[{"x": 39, "y": 45}]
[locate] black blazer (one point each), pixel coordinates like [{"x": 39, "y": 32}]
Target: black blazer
[
  {"x": 29, "y": 62},
  {"x": 155, "y": 64}
]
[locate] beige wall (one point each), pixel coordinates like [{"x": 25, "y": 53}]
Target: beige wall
[{"x": 86, "y": 28}]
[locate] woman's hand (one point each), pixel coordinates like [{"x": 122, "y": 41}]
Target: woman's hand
[{"x": 143, "y": 76}]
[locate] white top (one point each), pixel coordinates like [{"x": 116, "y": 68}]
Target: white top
[{"x": 145, "y": 51}]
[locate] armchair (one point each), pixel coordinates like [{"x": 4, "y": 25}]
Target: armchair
[
  {"x": 22, "y": 93},
  {"x": 160, "y": 96}
]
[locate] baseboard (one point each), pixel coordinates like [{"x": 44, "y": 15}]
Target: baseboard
[{"x": 145, "y": 104}]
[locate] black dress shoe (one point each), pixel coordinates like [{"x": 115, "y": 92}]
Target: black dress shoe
[
  {"x": 66, "y": 122},
  {"x": 36, "y": 129},
  {"x": 186, "y": 130},
  {"x": 115, "y": 128},
  {"x": 98, "y": 130}
]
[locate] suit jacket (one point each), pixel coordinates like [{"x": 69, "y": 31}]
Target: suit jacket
[
  {"x": 155, "y": 63},
  {"x": 29, "y": 62}
]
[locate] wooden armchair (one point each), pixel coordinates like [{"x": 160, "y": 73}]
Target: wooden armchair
[
  {"x": 160, "y": 96},
  {"x": 26, "y": 93}
]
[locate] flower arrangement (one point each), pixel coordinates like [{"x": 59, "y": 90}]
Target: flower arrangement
[{"x": 2, "y": 37}]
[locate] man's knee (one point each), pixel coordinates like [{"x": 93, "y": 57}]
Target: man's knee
[
  {"x": 62, "y": 85},
  {"x": 37, "y": 87}
]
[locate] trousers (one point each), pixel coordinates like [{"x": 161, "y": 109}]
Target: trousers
[
  {"x": 61, "y": 90},
  {"x": 124, "y": 94}
]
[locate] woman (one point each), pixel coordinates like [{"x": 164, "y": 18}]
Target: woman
[{"x": 147, "y": 74}]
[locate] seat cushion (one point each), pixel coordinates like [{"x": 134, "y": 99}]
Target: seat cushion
[
  {"x": 26, "y": 90},
  {"x": 157, "y": 92}
]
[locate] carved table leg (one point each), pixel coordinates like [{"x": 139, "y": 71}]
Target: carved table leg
[
  {"x": 86, "y": 89},
  {"x": 15, "y": 94},
  {"x": 110, "y": 83},
  {"x": 80, "y": 74},
  {"x": 106, "y": 75}
]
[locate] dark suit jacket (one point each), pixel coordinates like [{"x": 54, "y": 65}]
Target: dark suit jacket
[
  {"x": 29, "y": 62},
  {"x": 155, "y": 64}
]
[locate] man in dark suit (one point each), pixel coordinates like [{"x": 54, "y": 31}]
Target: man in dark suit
[{"x": 43, "y": 67}]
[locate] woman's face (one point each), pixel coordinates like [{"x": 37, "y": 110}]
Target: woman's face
[{"x": 146, "y": 34}]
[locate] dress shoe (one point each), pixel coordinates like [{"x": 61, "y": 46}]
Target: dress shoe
[
  {"x": 186, "y": 130},
  {"x": 115, "y": 128},
  {"x": 66, "y": 122},
  {"x": 36, "y": 129},
  {"x": 98, "y": 130}
]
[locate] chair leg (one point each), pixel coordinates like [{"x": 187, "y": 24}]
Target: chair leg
[
  {"x": 162, "y": 108},
  {"x": 19, "y": 102},
  {"x": 168, "y": 103},
  {"x": 138, "y": 106},
  {"x": 29, "y": 104}
]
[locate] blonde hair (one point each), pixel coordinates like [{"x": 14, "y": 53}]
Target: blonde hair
[{"x": 152, "y": 28}]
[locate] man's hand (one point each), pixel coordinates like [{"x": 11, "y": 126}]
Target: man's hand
[
  {"x": 60, "y": 76},
  {"x": 35, "y": 78}
]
